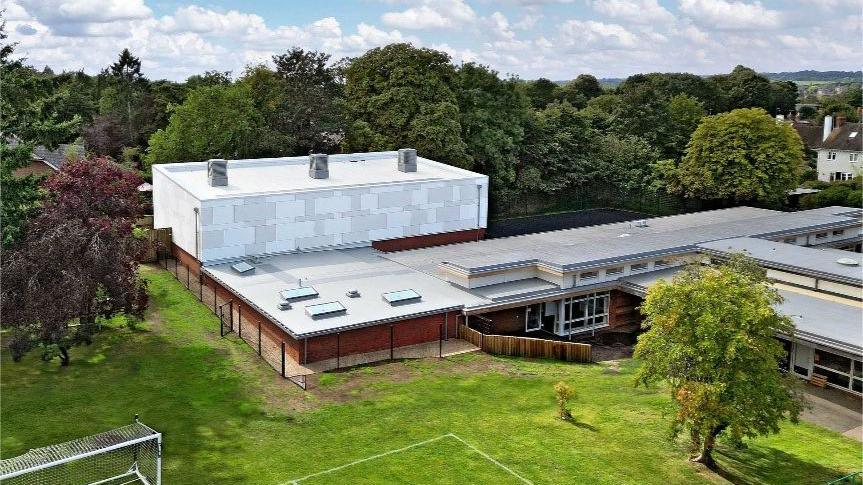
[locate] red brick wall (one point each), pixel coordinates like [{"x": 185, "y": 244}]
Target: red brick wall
[
  {"x": 623, "y": 309},
  {"x": 502, "y": 321},
  {"x": 415, "y": 242},
  {"x": 370, "y": 339},
  {"x": 186, "y": 259}
]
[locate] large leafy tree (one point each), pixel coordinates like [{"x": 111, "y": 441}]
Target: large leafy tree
[
  {"x": 744, "y": 88},
  {"x": 541, "y": 92},
  {"x": 556, "y": 151},
  {"x": 581, "y": 90},
  {"x": 741, "y": 156},
  {"x": 23, "y": 125},
  {"x": 213, "y": 122},
  {"x": 401, "y": 96},
  {"x": 77, "y": 261},
  {"x": 710, "y": 334}
]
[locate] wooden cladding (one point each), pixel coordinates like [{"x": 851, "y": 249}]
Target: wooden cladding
[{"x": 526, "y": 347}]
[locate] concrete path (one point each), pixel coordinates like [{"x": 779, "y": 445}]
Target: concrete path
[{"x": 836, "y": 410}]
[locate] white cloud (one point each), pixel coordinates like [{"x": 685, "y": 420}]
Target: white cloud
[
  {"x": 431, "y": 14},
  {"x": 731, "y": 15},
  {"x": 498, "y": 25},
  {"x": 635, "y": 11},
  {"x": 583, "y": 35},
  {"x": 74, "y": 17}
]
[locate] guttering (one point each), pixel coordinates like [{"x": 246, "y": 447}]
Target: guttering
[
  {"x": 821, "y": 275},
  {"x": 828, "y": 342}
]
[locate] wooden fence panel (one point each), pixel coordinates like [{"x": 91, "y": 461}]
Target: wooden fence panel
[{"x": 526, "y": 347}]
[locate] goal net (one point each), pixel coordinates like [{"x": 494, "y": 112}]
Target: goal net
[{"x": 128, "y": 455}]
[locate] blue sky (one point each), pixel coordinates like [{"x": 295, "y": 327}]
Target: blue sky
[{"x": 558, "y": 39}]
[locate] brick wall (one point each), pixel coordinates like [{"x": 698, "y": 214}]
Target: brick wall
[
  {"x": 506, "y": 321},
  {"x": 623, "y": 309},
  {"x": 186, "y": 259},
  {"x": 416, "y": 242}
]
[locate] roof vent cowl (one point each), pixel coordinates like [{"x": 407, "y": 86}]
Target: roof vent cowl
[
  {"x": 217, "y": 172},
  {"x": 407, "y": 160},
  {"x": 319, "y": 166}
]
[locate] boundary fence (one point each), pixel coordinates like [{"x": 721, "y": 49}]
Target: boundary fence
[
  {"x": 526, "y": 346},
  {"x": 273, "y": 349}
]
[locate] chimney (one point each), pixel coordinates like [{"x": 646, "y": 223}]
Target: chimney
[
  {"x": 319, "y": 166},
  {"x": 217, "y": 172},
  {"x": 407, "y": 160},
  {"x": 840, "y": 120},
  {"x": 828, "y": 127}
]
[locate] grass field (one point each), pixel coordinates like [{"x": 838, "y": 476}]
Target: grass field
[{"x": 228, "y": 418}]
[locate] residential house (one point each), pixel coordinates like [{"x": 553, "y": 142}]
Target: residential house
[{"x": 841, "y": 150}]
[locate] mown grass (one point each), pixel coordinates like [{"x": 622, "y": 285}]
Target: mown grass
[{"x": 228, "y": 418}]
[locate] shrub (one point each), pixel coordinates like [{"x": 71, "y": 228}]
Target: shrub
[{"x": 563, "y": 393}]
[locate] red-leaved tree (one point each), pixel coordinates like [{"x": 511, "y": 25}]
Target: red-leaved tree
[{"x": 77, "y": 261}]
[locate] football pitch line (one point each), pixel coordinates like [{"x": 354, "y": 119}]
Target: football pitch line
[{"x": 297, "y": 481}]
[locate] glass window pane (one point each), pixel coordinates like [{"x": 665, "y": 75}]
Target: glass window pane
[
  {"x": 834, "y": 378},
  {"x": 833, "y": 361},
  {"x": 857, "y": 385},
  {"x": 858, "y": 368},
  {"x": 567, "y": 310}
]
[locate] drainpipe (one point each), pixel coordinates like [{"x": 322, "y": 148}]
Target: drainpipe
[
  {"x": 478, "y": 208},
  {"x": 197, "y": 251}
]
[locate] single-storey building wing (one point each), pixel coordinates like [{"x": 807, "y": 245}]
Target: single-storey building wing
[{"x": 360, "y": 253}]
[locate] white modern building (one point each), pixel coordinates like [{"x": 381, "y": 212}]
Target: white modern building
[
  {"x": 840, "y": 152},
  {"x": 284, "y": 205}
]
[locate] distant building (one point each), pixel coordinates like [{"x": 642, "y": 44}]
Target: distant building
[
  {"x": 46, "y": 162},
  {"x": 840, "y": 151}
]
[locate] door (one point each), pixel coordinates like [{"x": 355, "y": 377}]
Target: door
[{"x": 533, "y": 317}]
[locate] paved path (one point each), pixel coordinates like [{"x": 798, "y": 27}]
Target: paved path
[{"x": 836, "y": 410}]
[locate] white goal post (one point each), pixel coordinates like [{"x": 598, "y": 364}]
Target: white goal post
[{"x": 128, "y": 455}]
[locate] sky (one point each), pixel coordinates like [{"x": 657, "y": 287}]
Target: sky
[{"x": 556, "y": 39}]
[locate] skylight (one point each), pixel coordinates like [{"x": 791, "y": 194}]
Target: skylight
[
  {"x": 243, "y": 267},
  {"x": 401, "y": 296},
  {"x": 853, "y": 134},
  {"x": 330, "y": 309},
  {"x": 298, "y": 293}
]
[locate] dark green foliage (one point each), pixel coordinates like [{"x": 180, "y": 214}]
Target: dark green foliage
[
  {"x": 846, "y": 193},
  {"x": 744, "y": 88},
  {"x": 581, "y": 90},
  {"x": 541, "y": 92}
]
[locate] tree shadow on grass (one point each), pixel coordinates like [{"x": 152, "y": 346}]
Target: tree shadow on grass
[
  {"x": 757, "y": 465},
  {"x": 580, "y": 424}
]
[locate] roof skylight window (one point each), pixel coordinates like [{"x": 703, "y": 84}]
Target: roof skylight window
[
  {"x": 853, "y": 134},
  {"x": 243, "y": 267},
  {"x": 401, "y": 297},
  {"x": 299, "y": 293},
  {"x": 329, "y": 309}
]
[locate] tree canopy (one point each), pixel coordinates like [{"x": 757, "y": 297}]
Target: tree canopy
[
  {"x": 711, "y": 335},
  {"x": 744, "y": 155}
]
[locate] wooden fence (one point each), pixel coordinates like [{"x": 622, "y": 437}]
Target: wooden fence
[{"x": 526, "y": 347}]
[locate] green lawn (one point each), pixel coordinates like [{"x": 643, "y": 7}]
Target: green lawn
[{"x": 227, "y": 417}]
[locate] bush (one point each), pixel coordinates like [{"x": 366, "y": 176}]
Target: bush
[{"x": 563, "y": 393}]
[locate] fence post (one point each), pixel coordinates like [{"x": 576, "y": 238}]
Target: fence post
[
  {"x": 259, "y": 337},
  {"x": 440, "y": 341},
  {"x": 200, "y": 286},
  {"x": 338, "y": 349},
  {"x": 240, "y": 321},
  {"x": 188, "y": 277},
  {"x": 221, "y": 323},
  {"x": 391, "y": 342},
  {"x": 283, "y": 359},
  {"x": 231, "y": 313}
]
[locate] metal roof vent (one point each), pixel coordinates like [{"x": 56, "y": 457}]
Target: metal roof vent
[
  {"x": 217, "y": 172},
  {"x": 847, "y": 261},
  {"x": 407, "y": 160},
  {"x": 353, "y": 294},
  {"x": 641, "y": 223},
  {"x": 319, "y": 166}
]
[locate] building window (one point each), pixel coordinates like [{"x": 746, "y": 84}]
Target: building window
[
  {"x": 638, "y": 267},
  {"x": 588, "y": 275},
  {"x": 831, "y": 155},
  {"x": 853, "y": 157},
  {"x": 790, "y": 240},
  {"x": 841, "y": 176},
  {"x": 661, "y": 263},
  {"x": 840, "y": 371},
  {"x": 820, "y": 235},
  {"x": 614, "y": 271},
  {"x": 839, "y": 232},
  {"x": 584, "y": 313}
]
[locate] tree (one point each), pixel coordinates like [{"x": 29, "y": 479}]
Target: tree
[
  {"x": 684, "y": 115},
  {"x": 581, "y": 90},
  {"x": 77, "y": 261},
  {"x": 744, "y": 88},
  {"x": 392, "y": 91},
  {"x": 624, "y": 162},
  {"x": 711, "y": 335},
  {"x": 783, "y": 97},
  {"x": 563, "y": 394},
  {"x": 213, "y": 122},
  {"x": 741, "y": 156},
  {"x": 541, "y": 92},
  {"x": 556, "y": 151}
]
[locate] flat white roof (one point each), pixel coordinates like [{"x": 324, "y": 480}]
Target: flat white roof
[
  {"x": 291, "y": 174},
  {"x": 333, "y": 274}
]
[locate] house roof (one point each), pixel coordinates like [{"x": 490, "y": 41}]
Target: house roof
[
  {"x": 844, "y": 138},
  {"x": 824, "y": 320},
  {"x": 819, "y": 263},
  {"x": 56, "y": 157},
  {"x": 810, "y": 134},
  {"x": 594, "y": 246}
]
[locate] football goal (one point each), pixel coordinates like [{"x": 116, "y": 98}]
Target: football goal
[{"x": 128, "y": 455}]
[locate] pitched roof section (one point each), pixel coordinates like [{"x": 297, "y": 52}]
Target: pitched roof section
[
  {"x": 844, "y": 138},
  {"x": 56, "y": 157},
  {"x": 810, "y": 134}
]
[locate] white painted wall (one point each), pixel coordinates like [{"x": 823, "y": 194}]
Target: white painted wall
[
  {"x": 174, "y": 207},
  {"x": 842, "y": 163}
]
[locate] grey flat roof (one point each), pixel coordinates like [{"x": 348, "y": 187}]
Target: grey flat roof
[
  {"x": 570, "y": 249},
  {"x": 821, "y": 263},
  {"x": 291, "y": 174},
  {"x": 832, "y": 322},
  {"x": 333, "y": 273},
  {"x": 639, "y": 283}
]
